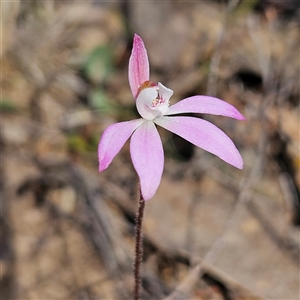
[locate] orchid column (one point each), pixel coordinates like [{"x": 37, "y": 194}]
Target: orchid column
[{"x": 152, "y": 102}]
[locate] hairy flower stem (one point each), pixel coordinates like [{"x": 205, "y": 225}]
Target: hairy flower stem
[{"x": 138, "y": 249}]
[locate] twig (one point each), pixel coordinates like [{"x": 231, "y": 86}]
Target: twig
[
  {"x": 7, "y": 253},
  {"x": 216, "y": 57}
]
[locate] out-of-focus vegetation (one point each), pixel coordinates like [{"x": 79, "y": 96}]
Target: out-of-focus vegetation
[{"x": 67, "y": 231}]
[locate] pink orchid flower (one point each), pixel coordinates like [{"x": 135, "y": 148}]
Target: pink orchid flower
[{"x": 152, "y": 102}]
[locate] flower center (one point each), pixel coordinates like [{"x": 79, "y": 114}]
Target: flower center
[
  {"x": 157, "y": 101},
  {"x": 153, "y": 100}
]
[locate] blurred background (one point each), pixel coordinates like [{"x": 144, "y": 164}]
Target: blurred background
[{"x": 211, "y": 231}]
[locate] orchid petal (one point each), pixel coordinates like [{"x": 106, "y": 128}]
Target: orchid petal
[
  {"x": 205, "y": 105},
  {"x": 204, "y": 135},
  {"x": 147, "y": 157},
  {"x": 164, "y": 92},
  {"x": 138, "y": 70},
  {"x": 113, "y": 139}
]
